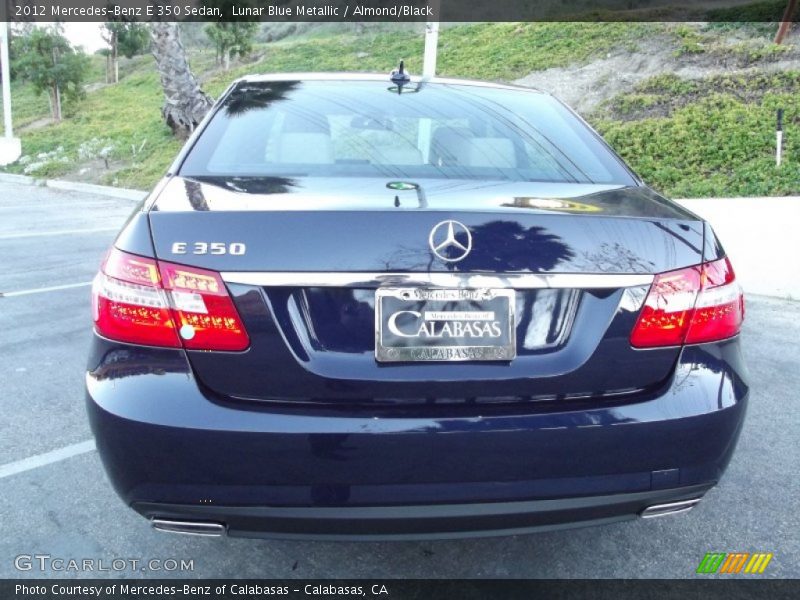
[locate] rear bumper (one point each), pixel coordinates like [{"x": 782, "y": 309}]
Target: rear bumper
[
  {"x": 435, "y": 521},
  {"x": 172, "y": 452}
]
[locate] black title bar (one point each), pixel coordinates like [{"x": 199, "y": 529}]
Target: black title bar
[{"x": 390, "y": 10}]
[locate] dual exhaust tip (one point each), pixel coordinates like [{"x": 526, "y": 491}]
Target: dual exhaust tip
[
  {"x": 203, "y": 528},
  {"x": 211, "y": 529},
  {"x": 670, "y": 508}
]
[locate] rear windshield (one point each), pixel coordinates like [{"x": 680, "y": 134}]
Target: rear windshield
[{"x": 367, "y": 129}]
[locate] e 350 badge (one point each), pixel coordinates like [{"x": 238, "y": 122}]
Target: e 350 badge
[{"x": 234, "y": 248}]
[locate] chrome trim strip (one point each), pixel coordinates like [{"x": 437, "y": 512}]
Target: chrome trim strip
[{"x": 442, "y": 280}]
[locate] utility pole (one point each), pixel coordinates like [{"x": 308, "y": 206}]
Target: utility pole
[
  {"x": 429, "y": 71},
  {"x": 10, "y": 148},
  {"x": 431, "y": 49},
  {"x": 431, "y": 41}
]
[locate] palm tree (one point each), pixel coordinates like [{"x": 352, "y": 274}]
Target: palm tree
[{"x": 185, "y": 104}]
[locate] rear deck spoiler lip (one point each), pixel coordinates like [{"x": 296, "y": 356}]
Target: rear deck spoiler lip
[{"x": 451, "y": 280}]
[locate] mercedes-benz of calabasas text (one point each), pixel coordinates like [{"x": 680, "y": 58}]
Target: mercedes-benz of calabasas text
[{"x": 361, "y": 306}]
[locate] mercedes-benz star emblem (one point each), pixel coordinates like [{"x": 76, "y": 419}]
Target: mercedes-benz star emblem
[{"x": 450, "y": 240}]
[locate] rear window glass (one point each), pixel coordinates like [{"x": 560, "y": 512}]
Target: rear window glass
[{"x": 367, "y": 129}]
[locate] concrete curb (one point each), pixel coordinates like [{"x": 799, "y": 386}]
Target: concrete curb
[
  {"x": 21, "y": 179},
  {"x": 75, "y": 186},
  {"x": 102, "y": 190}
]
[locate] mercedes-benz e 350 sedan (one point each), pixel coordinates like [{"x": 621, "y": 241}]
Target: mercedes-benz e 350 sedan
[{"x": 357, "y": 307}]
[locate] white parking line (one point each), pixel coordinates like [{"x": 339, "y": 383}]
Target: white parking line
[
  {"x": 48, "y": 458},
  {"x": 16, "y": 236},
  {"x": 51, "y": 288}
]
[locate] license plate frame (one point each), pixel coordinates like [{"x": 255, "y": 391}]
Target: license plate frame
[{"x": 458, "y": 305}]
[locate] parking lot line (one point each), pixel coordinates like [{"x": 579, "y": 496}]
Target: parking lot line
[
  {"x": 51, "y": 288},
  {"x": 16, "y": 236},
  {"x": 47, "y": 458}
]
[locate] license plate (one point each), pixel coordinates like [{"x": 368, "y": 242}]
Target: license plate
[{"x": 414, "y": 325}]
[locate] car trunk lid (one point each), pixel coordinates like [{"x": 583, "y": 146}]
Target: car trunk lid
[{"x": 577, "y": 257}]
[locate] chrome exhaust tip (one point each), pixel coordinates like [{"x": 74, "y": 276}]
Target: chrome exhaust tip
[
  {"x": 671, "y": 508},
  {"x": 203, "y": 528}
]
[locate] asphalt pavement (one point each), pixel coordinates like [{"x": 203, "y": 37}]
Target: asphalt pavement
[{"x": 55, "y": 499}]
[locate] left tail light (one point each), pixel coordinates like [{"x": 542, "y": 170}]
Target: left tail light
[
  {"x": 144, "y": 301},
  {"x": 129, "y": 304}
]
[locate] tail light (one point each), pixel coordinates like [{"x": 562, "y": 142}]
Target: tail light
[
  {"x": 143, "y": 301},
  {"x": 128, "y": 303},
  {"x": 202, "y": 309},
  {"x": 691, "y": 306}
]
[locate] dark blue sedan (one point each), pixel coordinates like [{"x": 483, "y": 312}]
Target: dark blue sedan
[{"x": 364, "y": 308}]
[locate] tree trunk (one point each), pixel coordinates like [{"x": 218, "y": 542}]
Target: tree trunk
[
  {"x": 226, "y": 59},
  {"x": 185, "y": 104},
  {"x": 55, "y": 102},
  {"x": 786, "y": 22},
  {"x": 55, "y": 95}
]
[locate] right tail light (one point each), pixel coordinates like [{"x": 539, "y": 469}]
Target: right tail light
[{"x": 691, "y": 306}]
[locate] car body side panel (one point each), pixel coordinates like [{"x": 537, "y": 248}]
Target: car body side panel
[
  {"x": 135, "y": 235},
  {"x": 712, "y": 247}
]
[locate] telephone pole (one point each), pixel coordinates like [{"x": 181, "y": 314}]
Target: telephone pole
[{"x": 10, "y": 148}]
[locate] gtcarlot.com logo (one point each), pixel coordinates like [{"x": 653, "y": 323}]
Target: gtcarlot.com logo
[
  {"x": 734, "y": 562},
  {"x": 47, "y": 562}
]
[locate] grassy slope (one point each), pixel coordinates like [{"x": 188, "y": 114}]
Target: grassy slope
[
  {"x": 709, "y": 141},
  {"x": 713, "y": 137}
]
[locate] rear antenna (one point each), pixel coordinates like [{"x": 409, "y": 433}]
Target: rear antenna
[{"x": 399, "y": 77}]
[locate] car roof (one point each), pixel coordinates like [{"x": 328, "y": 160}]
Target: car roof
[{"x": 344, "y": 76}]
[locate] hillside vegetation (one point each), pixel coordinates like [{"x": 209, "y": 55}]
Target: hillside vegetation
[{"x": 704, "y": 136}]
